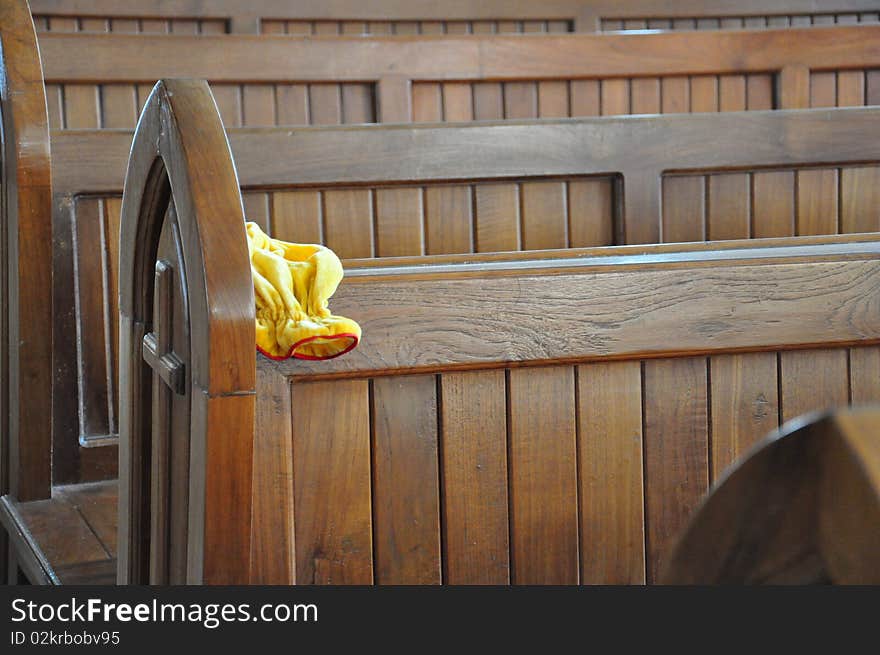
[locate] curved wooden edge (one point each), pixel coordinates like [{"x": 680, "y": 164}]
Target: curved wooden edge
[
  {"x": 180, "y": 154},
  {"x": 803, "y": 506},
  {"x": 27, "y": 234}
]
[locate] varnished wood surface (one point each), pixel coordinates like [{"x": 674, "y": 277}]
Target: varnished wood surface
[
  {"x": 142, "y": 58},
  {"x": 804, "y": 506}
]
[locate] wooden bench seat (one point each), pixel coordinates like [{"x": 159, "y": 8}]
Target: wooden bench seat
[
  {"x": 67, "y": 539},
  {"x": 423, "y": 17}
]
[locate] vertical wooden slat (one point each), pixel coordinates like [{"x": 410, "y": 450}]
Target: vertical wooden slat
[
  {"x": 813, "y": 380},
  {"x": 708, "y": 24},
  {"x": 684, "y": 208},
  {"x": 645, "y": 94},
  {"x": 449, "y": 221},
  {"x": 378, "y": 27},
  {"x": 258, "y": 105},
  {"x": 553, "y": 99},
  {"x": 704, "y": 93},
  {"x": 394, "y": 99},
  {"x": 55, "y": 106},
  {"x": 256, "y": 209},
  {"x": 293, "y": 104},
  {"x": 212, "y": 27},
  {"x": 611, "y": 486},
  {"x": 674, "y": 92},
  {"x": 325, "y": 104},
  {"x": 850, "y": 89},
  {"x": 427, "y": 102},
  {"x": 63, "y": 24},
  {"x": 488, "y": 101},
  {"x": 457, "y": 102},
  {"x": 860, "y": 199},
  {"x": 358, "y": 103},
  {"x": 727, "y": 207},
  {"x": 406, "y": 27},
  {"x": 590, "y": 213},
  {"x": 111, "y": 214},
  {"x": 296, "y": 216},
  {"x": 773, "y": 196},
  {"x": 228, "y": 98},
  {"x": 458, "y": 27},
  {"x": 745, "y": 405},
  {"x": 544, "y": 215},
  {"x": 816, "y": 202},
  {"x": 520, "y": 100},
  {"x": 399, "y": 222},
  {"x": 864, "y": 374},
  {"x": 823, "y": 89},
  {"x": 676, "y": 450},
  {"x": 406, "y": 505},
  {"x": 154, "y": 26},
  {"x": 94, "y": 25},
  {"x": 184, "y": 26},
  {"x": 119, "y": 105},
  {"x": 81, "y": 106},
  {"x": 759, "y": 91},
  {"x": 585, "y": 98},
  {"x": 732, "y": 23},
  {"x": 615, "y": 97},
  {"x": 498, "y": 223},
  {"x": 331, "y": 477},
  {"x": 794, "y": 87},
  {"x": 872, "y": 87},
  {"x": 732, "y": 93},
  {"x": 543, "y": 476},
  {"x": 474, "y": 462},
  {"x": 348, "y": 222},
  {"x": 299, "y": 27},
  {"x": 353, "y": 27},
  {"x": 326, "y": 27}
]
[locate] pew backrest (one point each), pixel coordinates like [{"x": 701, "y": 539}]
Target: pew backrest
[
  {"x": 424, "y": 17},
  {"x": 332, "y": 80}
]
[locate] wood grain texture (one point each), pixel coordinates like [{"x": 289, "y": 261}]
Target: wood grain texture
[
  {"x": 817, "y": 202},
  {"x": 449, "y": 219},
  {"x": 773, "y": 204},
  {"x": 811, "y": 381},
  {"x": 348, "y": 222},
  {"x": 610, "y": 473},
  {"x": 399, "y": 222},
  {"x": 684, "y": 209},
  {"x": 859, "y": 200},
  {"x": 474, "y": 473},
  {"x": 727, "y": 207},
  {"x": 864, "y": 375},
  {"x": 543, "y": 476},
  {"x": 498, "y": 220},
  {"x": 406, "y": 504},
  {"x": 676, "y": 451}
]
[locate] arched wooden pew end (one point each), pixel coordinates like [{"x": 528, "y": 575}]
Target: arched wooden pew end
[{"x": 803, "y": 507}]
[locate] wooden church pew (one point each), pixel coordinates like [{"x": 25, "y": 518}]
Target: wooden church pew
[
  {"x": 25, "y": 232},
  {"x": 803, "y": 507},
  {"x": 527, "y": 390},
  {"x": 102, "y": 80},
  {"x": 448, "y": 16}
]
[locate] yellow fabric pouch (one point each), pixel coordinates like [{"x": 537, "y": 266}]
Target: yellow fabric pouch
[{"x": 292, "y": 284}]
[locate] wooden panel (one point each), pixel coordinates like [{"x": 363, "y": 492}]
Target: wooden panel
[
  {"x": 850, "y": 89},
  {"x": 406, "y": 504},
  {"x": 348, "y": 222},
  {"x": 675, "y": 94},
  {"x": 645, "y": 94},
  {"x": 773, "y": 204},
  {"x": 872, "y": 87},
  {"x": 326, "y": 27},
  {"x": 676, "y": 450},
  {"x": 154, "y": 26},
  {"x": 119, "y": 106},
  {"x": 498, "y": 224},
  {"x": 293, "y": 104},
  {"x": 488, "y": 101},
  {"x": 860, "y": 199},
  {"x": 745, "y": 405},
  {"x": 552, "y": 99},
  {"x": 55, "y": 106},
  {"x": 585, "y": 98},
  {"x": 325, "y": 104},
  {"x": 399, "y": 222},
  {"x": 732, "y": 93},
  {"x": 615, "y": 97},
  {"x": 331, "y": 459},
  {"x": 358, "y": 104},
  {"x": 864, "y": 375},
  {"x": 683, "y": 208},
  {"x": 449, "y": 223},
  {"x": 258, "y": 105},
  {"x": 111, "y": 214},
  {"x": 184, "y": 26},
  {"x": 457, "y": 102},
  {"x": 813, "y": 380},
  {"x": 520, "y": 100},
  {"x": 611, "y": 486},
  {"x": 96, "y": 502},
  {"x": 296, "y": 216},
  {"x": 544, "y": 220},
  {"x": 46, "y": 519},
  {"x": 591, "y": 213},
  {"x": 543, "y": 476},
  {"x": 81, "y": 106},
  {"x": 256, "y": 209},
  {"x": 228, "y": 98},
  {"x": 427, "y": 102},
  {"x": 474, "y": 461},
  {"x": 704, "y": 93},
  {"x": 823, "y": 89},
  {"x": 759, "y": 92},
  {"x": 727, "y": 207},
  {"x": 816, "y": 202}
]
